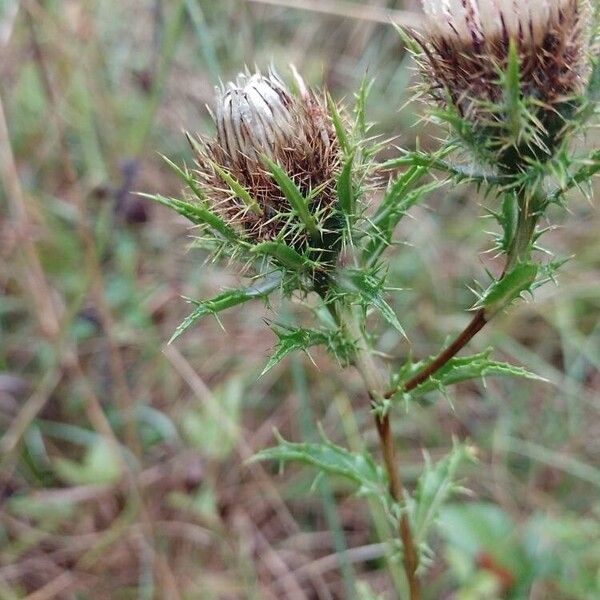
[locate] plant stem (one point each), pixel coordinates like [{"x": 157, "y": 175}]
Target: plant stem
[
  {"x": 375, "y": 384},
  {"x": 471, "y": 330},
  {"x": 520, "y": 251},
  {"x": 411, "y": 558}
]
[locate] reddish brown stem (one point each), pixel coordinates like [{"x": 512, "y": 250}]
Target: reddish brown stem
[
  {"x": 475, "y": 326},
  {"x": 375, "y": 383},
  {"x": 411, "y": 560}
]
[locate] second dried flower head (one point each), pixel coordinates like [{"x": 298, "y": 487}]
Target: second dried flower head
[{"x": 467, "y": 66}]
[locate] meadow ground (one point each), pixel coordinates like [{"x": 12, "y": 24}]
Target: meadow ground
[{"x": 92, "y": 279}]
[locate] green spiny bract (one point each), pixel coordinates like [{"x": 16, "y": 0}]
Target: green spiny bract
[
  {"x": 509, "y": 75},
  {"x": 270, "y": 172}
]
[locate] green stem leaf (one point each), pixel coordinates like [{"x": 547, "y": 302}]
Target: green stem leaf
[
  {"x": 197, "y": 214},
  {"x": 227, "y": 300},
  {"x": 507, "y": 289}
]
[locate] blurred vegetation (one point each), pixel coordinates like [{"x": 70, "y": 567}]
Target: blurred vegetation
[{"x": 123, "y": 459}]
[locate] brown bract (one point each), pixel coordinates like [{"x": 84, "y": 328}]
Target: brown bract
[{"x": 258, "y": 117}]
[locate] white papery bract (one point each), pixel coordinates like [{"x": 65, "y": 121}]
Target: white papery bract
[
  {"x": 254, "y": 115},
  {"x": 481, "y": 19}
]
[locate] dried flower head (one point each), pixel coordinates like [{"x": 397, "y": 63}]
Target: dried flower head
[
  {"x": 258, "y": 120},
  {"x": 468, "y": 48}
]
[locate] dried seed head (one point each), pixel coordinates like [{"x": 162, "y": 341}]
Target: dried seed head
[
  {"x": 257, "y": 116},
  {"x": 468, "y": 45}
]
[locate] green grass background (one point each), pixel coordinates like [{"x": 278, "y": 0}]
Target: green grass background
[{"x": 122, "y": 472}]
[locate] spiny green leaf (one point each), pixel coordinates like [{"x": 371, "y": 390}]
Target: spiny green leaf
[
  {"x": 345, "y": 190},
  {"x": 227, "y": 300},
  {"x": 360, "y": 469},
  {"x": 408, "y": 40},
  {"x": 512, "y": 91},
  {"x": 338, "y": 124},
  {"x": 458, "y": 369},
  {"x": 461, "y": 173},
  {"x": 186, "y": 177},
  {"x": 508, "y": 220},
  {"x": 593, "y": 90},
  {"x": 387, "y": 313},
  {"x": 294, "y": 196},
  {"x": 360, "y": 110},
  {"x": 197, "y": 214},
  {"x": 238, "y": 189},
  {"x": 292, "y": 339},
  {"x": 434, "y": 487},
  {"x": 590, "y": 166},
  {"x": 507, "y": 289},
  {"x": 285, "y": 255},
  {"x": 398, "y": 199},
  {"x": 395, "y": 195},
  {"x": 549, "y": 272},
  {"x": 419, "y": 158},
  {"x": 370, "y": 289}
]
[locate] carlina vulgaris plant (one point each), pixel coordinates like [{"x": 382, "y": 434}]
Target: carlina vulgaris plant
[{"x": 283, "y": 191}]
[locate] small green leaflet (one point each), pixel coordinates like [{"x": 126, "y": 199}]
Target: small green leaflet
[
  {"x": 394, "y": 202},
  {"x": 434, "y": 487},
  {"x": 228, "y": 300},
  {"x": 197, "y": 214},
  {"x": 345, "y": 191},
  {"x": 459, "y": 172},
  {"x": 458, "y": 369},
  {"x": 285, "y": 255},
  {"x": 293, "y": 339},
  {"x": 360, "y": 111},
  {"x": 590, "y": 167},
  {"x": 293, "y": 195},
  {"x": 186, "y": 177},
  {"x": 466, "y": 133},
  {"x": 238, "y": 189},
  {"x": 370, "y": 289},
  {"x": 338, "y": 124},
  {"x": 408, "y": 40},
  {"x": 512, "y": 92},
  {"x": 419, "y": 158},
  {"x": 507, "y": 289},
  {"x": 360, "y": 469}
]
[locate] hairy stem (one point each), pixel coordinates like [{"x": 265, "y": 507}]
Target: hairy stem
[{"x": 375, "y": 383}]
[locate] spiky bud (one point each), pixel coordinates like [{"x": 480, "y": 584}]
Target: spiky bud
[
  {"x": 468, "y": 49},
  {"x": 258, "y": 119}
]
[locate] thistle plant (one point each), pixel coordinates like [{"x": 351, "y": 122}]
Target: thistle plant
[{"x": 286, "y": 191}]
